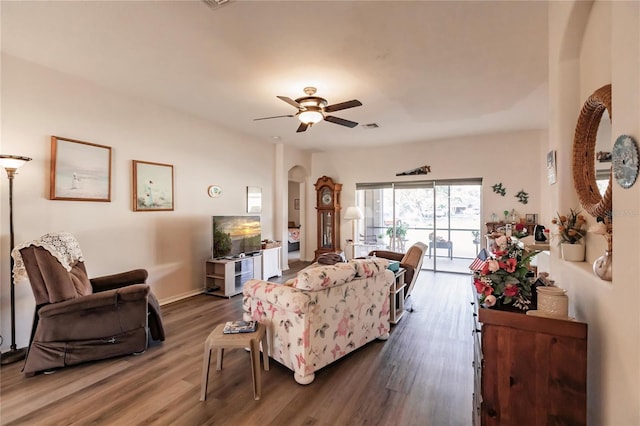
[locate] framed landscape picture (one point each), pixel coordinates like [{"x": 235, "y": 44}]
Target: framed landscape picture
[
  {"x": 80, "y": 171},
  {"x": 152, "y": 186}
]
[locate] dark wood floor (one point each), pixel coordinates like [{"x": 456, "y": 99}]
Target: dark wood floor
[{"x": 422, "y": 375}]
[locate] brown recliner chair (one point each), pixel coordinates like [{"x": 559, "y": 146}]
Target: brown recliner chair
[
  {"x": 78, "y": 319},
  {"x": 411, "y": 261}
]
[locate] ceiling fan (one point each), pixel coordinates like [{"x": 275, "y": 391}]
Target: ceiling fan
[{"x": 313, "y": 109}]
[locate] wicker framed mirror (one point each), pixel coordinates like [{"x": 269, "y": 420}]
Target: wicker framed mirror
[{"x": 584, "y": 154}]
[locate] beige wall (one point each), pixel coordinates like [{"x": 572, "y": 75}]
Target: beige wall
[
  {"x": 38, "y": 103},
  {"x": 592, "y": 44},
  {"x": 513, "y": 159}
]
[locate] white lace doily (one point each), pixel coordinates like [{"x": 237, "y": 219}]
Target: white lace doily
[{"x": 62, "y": 245}]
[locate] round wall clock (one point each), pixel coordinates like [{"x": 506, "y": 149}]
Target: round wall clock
[
  {"x": 214, "y": 191},
  {"x": 624, "y": 161}
]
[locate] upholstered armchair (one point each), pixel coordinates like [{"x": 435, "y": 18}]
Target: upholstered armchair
[
  {"x": 411, "y": 261},
  {"x": 78, "y": 319}
]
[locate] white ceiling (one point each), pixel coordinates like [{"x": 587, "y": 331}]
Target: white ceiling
[{"x": 422, "y": 69}]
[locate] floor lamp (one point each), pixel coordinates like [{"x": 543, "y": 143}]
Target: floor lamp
[
  {"x": 353, "y": 213},
  {"x": 11, "y": 163}
]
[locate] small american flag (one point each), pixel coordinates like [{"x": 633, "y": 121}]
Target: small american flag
[{"x": 479, "y": 261}]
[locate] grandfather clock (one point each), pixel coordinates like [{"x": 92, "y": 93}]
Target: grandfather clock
[{"x": 328, "y": 206}]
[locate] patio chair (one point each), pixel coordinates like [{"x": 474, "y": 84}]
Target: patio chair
[{"x": 411, "y": 261}]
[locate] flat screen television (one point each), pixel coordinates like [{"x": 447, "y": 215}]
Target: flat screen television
[{"x": 235, "y": 236}]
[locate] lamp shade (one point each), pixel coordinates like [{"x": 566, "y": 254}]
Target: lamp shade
[
  {"x": 12, "y": 161},
  {"x": 353, "y": 213},
  {"x": 310, "y": 116}
]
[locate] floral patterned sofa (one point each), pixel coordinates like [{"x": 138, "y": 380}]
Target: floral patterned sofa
[{"x": 326, "y": 312}]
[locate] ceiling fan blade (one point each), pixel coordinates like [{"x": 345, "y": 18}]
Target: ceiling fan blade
[
  {"x": 303, "y": 127},
  {"x": 289, "y": 101},
  {"x": 342, "y": 105},
  {"x": 341, "y": 121},
  {"x": 275, "y": 116}
]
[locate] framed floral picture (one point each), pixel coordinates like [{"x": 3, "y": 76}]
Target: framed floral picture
[
  {"x": 152, "y": 186},
  {"x": 80, "y": 171}
]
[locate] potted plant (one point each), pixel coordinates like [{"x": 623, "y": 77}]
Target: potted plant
[
  {"x": 571, "y": 229},
  {"x": 401, "y": 230}
]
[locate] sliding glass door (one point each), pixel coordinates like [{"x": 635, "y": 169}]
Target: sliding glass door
[{"x": 444, "y": 215}]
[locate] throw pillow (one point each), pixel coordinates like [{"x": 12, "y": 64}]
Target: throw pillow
[
  {"x": 330, "y": 258},
  {"x": 369, "y": 267},
  {"x": 324, "y": 276}
]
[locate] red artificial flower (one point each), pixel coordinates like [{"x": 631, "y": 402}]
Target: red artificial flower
[
  {"x": 511, "y": 265},
  {"x": 519, "y": 227},
  {"x": 500, "y": 253},
  {"x": 482, "y": 287},
  {"x": 511, "y": 290}
]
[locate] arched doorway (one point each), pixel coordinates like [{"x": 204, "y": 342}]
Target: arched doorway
[{"x": 296, "y": 215}]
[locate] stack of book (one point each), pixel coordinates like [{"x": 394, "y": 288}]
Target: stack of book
[{"x": 233, "y": 327}]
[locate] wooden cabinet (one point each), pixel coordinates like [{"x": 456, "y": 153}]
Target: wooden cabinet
[
  {"x": 532, "y": 370},
  {"x": 495, "y": 226},
  {"x": 226, "y": 277},
  {"x": 477, "y": 365}
]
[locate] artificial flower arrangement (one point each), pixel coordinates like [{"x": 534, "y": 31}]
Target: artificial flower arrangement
[
  {"x": 520, "y": 231},
  {"x": 571, "y": 228},
  {"x": 503, "y": 277}
]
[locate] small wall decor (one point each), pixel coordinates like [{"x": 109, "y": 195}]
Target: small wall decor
[
  {"x": 296, "y": 203},
  {"x": 423, "y": 170},
  {"x": 625, "y": 161},
  {"x": 80, "y": 171},
  {"x": 214, "y": 191},
  {"x": 522, "y": 196},
  {"x": 254, "y": 199},
  {"x": 531, "y": 219},
  {"x": 152, "y": 186},
  {"x": 551, "y": 167},
  {"x": 498, "y": 189}
]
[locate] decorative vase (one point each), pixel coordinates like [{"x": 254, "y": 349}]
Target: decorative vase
[
  {"x": 603, "y": 265},
  {"x": 552, "y": 302},
  {"x": 573, "y": 252}
]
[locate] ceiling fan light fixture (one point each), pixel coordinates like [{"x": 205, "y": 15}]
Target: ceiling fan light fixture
[
  {"x": 310, "y": 116},
  {"x": 313, "y": 109}
]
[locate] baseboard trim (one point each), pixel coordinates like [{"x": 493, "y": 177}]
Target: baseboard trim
[{"x": 181, "y": 296}]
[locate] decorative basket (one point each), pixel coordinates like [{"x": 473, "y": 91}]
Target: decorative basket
[{"x": 272, "y": 244}]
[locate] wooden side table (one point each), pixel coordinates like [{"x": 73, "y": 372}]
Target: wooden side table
[
  {"x": 220, "y": 341},
  {"x": 396, "y": 297}
]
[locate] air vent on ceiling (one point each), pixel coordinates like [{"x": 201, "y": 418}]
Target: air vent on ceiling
[
  {"x": 370, "y": 126},
  {"x": 214, "y": 4}
]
